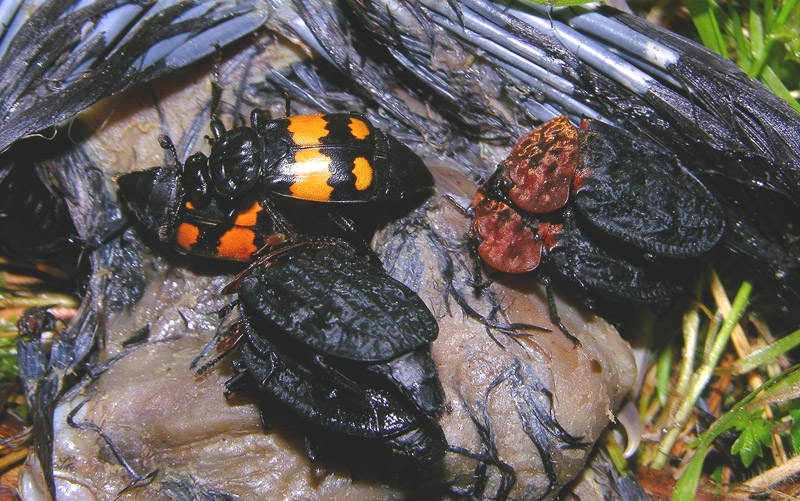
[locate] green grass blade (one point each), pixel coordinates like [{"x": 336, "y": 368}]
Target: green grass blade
[
  {"x": 775, "y": 84},
  {"x": 756, "y": 29},
  {"x": 702, "y": 12},
  {"x": 768, "y": 14},
  {"x": 785, "y": 11},
  {"x": 664, "y": 373},
  {"x": 686, "y": 486},
  {"x": 766, "y": 354},
  {"x": 743, "y": 57}
]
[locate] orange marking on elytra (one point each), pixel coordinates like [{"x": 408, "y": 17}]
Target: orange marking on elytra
[
  {"x": 363, "y": 172},
  {"x": 248, "y": 216},
  {"x": 237, "y": 243},
  {"x": 358, "y": 128},
  {"x": 307, "y": 130},
  {"x": 186, "y": 235},
  {"x": 312, "y": 173}
]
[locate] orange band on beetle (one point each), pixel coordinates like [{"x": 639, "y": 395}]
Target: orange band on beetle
[
  {"x": 237, "y": 243},
  {"x": 249, "y": 216},
  {"x": 186, "y": 235},
  {"x": 363, "y": 172},
  {"x": 307, "y": 130},
  {"x": 312, "y": 173},
  {"x": 358, "y": 128}
]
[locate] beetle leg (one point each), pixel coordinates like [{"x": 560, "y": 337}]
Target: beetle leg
[
  {"x": 472, "y": 247},
  {"x": 237, "y": 383},
  {"x": 551, "y": 305},
  {"x": 228, "y": 308},
  {"x": 279, "y": 222},
  {"x": 452, "y": 290},
  {"x": 224, "y": 345},
  {"x": 476, "y": 282},
  {"x": 353, "y": 236}
]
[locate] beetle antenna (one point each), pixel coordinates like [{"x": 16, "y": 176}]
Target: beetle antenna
[{"x": 167, "y": 144}]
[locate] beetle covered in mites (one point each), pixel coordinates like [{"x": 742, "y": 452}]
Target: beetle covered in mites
[{"x": 601, "y": 208}]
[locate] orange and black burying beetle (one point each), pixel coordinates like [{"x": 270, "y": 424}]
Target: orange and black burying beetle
[
  {"x": 614, "y": 214},
  {"x": 339, "y": 157},
  {"x": 323, "y": 331}
]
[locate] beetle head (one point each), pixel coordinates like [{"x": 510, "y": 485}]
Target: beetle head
[
  {"x": 154, "y": 197},
  {"x": 235, "y": 161},
  {"x": 408, "y": 173}
]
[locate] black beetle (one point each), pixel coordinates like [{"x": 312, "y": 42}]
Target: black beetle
[{"x": 344, "y": 346}]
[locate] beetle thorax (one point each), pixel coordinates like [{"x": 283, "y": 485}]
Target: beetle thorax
[{"x": 235, "y": 162}]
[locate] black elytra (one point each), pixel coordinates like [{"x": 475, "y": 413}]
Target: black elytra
[
  {"x": 609, "y": 270},
  {"x": 642, "y": 195},
  {"x": 345, "y": 347},
  {"x": 323, "y": 397},
  {"x": 332, "y": 300}
]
